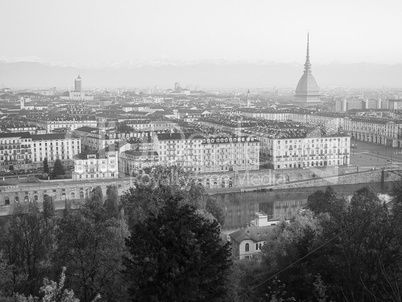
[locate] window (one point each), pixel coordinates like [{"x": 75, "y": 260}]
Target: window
[
  {"x": 256, "y": 246},
  {"x": 247, "y": 247}
]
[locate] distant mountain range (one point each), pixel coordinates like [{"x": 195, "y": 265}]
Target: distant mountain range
[{"x": 204, "y": 74}]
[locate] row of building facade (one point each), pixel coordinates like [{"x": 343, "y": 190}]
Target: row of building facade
[
  {"x": 23, "y": 151},
  {"x": 193, "y": 151},
  {"x": 384, "y": 131}
]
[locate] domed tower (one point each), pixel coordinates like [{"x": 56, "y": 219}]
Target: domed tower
[{"x": 307, "y": 92}]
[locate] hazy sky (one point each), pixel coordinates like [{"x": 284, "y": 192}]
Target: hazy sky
[{"x": 100, "y": 31}]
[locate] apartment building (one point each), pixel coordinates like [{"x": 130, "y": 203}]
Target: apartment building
[
  {"x": 298, "y": 117},
  {"x": 52, "y": 147},
  {"x": 202, "y": 154},
  {"x": 21, "y": 127},
  {"x": 268, "y": 114},
  {"x": 330, "y": 122},
  {"x": 149, "y": 125},
  {"x": 96, "y": 165},
  {"x": 51, "y": 123},
  {"x": 96, "y": 139},
  {"x": 137, "y": 107},
  {"x": 375, "y": 130},
  {"x": 224, "y": 124},
  {"x": 188, "y": 115},
  {"x": 15, "y": 151},
  {"x": 131, "y": 160},
  {"x": 300, "y": 150}
]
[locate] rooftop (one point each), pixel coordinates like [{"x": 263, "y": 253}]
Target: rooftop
[
  {"x": 206, "y": 138},
  {"x": 375, "y": 120},
  {"x": 20, "y": 134},
  {"x": 48, "y": 136},
  {"x": 88, "y": 129},
  {"x": 253, "y": 233},
  {"x": 141, "y": 153}
]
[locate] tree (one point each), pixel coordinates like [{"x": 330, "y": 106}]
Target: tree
[
  {"x": 48, "y": 207},
  {"x": 45, "y": 166},
  {"x": 97, "y": 195},
  {"x": 338, "y": 251},
  {"x": 277, "y": 292},
  {"x": 360, "y": 249},
  {"x": 112, "y": 204},
  {"x": 94, "y": 207},
  {"x": 153, "y": 186},
  {"x": 177, "y": 255},
  {"x": 91, "y": 245},
  {"x": 215, "y": 209},
  {"x": 27, "y": 243},
  {"x": 53, "y": 292},
  {"x": 58, "y": 168},
  {"x": 67, "y": 207},
  {"x": 5, "y": 276},
  {"x": 324, "y": 202},
  {"x": 289, "y": 243},
  {"x": 245, "y": 275}
]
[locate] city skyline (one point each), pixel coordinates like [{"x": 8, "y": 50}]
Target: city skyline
[{"x": 99, "y": 34}]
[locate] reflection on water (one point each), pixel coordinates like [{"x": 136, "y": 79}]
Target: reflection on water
[{"x": 240, "y": 208}]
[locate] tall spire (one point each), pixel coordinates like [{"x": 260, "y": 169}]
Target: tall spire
[{"x": 307, "y": 65}]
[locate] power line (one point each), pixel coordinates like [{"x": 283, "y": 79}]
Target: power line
[
  {"x": 290, "y": 265},
  {"x": 297, "y": 261}
]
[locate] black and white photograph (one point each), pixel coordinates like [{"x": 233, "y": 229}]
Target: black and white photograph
[{"x": 200, "y": 151}]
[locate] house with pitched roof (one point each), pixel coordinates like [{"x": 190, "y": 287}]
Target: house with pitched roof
[{"x": 248, "y": 242}]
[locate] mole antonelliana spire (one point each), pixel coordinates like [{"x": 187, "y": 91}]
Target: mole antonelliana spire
[
  {"x": 307, "y": 92},
  {"x": 307, "y": 65}
]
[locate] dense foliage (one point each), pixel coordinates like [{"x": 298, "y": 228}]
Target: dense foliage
[
  {"x": 177, "y": 255},
  {"x": 45, "y": 166},
  {"x": 89, "y": 240},
  {"x": 58, "y": 168},
  {"x": 162, "y": 241},
  {"x": 337, "y": 250}
]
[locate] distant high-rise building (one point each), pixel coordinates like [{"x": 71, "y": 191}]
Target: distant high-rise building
[
  {"x": 340, "y": 105},
  {"x": 248, "y": 99},
  {"x": 77, "y": 84},
  {"x": 307, "y": 92},
  {"x": 77, "y": 94},
  {"x": 177, "y": 86}
]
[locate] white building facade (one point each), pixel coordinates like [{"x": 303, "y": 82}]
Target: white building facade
[
  {"x": 96, "y": 165},
  {"x": 301, "y": 152},
  {"x": 208, "y": 154},
  {"x": 375, "y": 130},
  {"x": 49, "y": 124},
  {"x": 52, "y": 147}
]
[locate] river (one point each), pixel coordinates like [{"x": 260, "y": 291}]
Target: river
[{"x": 240, "y": 208}]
